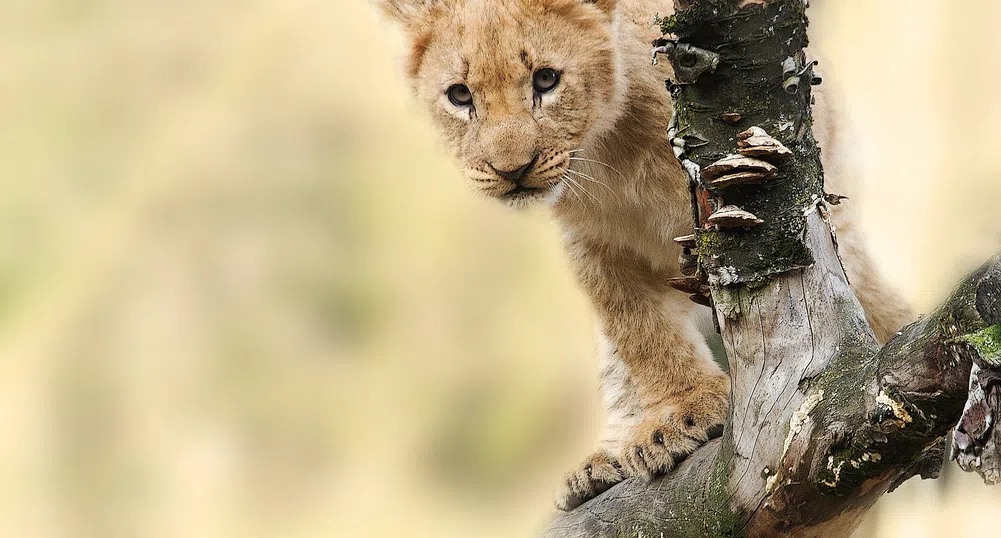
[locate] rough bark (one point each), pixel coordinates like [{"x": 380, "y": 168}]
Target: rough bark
[
  {"x": 823, "y": 421},
  {"x": 976, "y": 439}
]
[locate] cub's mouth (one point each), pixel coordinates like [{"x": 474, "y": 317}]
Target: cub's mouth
[{"x": 521, "y": 193}]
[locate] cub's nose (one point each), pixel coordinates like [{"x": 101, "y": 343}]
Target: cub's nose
[{"x": 517, "y": 174}]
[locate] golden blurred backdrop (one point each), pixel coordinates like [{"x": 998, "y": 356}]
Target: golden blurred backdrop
[{"x": 243, "y": 293}]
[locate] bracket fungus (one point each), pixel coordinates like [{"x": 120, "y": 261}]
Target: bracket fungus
[
  {"x": 732, "y": 216},
  {"x": 688, "y": 284},
  {"x": 755, "y": 142},
  {"x": 686, "y": 240},
  {"x": 737, "y": 170},
  {"x": 730, "y": 117}
]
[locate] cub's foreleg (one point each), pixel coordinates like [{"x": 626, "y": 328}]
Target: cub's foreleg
[{"x": 664, "y": 394}]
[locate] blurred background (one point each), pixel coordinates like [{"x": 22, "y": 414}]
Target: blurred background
[{"x": 243, "y": 293}]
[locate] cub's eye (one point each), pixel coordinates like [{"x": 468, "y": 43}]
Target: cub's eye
[
  {"x": 459, "y": 95},
  {"x": 545, "y": 80}
]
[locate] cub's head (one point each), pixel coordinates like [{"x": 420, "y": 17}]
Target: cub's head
[{"x": 514, "y": 86}]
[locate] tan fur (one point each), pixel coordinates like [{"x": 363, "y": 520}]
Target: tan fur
[{"x": 615, "y": 189}]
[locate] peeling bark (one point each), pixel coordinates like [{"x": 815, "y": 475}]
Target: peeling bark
[
  {"x": 823, "y": 421},
  {"x": 976, "y": 439}
]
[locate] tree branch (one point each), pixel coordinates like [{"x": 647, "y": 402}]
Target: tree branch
[{"x": 822, "y": 420}]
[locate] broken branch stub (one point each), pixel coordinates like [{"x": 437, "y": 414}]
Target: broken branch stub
[
  {"x": 976, "y": 440},
  {"x": 690, "y": 62}
]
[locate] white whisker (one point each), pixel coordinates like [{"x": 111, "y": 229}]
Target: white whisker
[
  {"x": 570, "y": 183},
  {"x": 591, "y": 179},
  {"x": 586, "y": 177},
  {"x": 606, "y": 165},
  {"x": 585, "y": 191}
]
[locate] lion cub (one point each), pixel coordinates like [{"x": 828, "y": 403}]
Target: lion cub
[{"x": 556, "y": 102}]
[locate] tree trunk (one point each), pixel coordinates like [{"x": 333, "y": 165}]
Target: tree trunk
[{"x": 822, "y": 420}]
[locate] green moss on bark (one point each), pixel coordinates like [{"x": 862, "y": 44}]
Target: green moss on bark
[{"x": 987, "y": 343}]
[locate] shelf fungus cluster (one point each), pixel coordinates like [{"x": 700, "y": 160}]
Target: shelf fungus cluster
[
  {"x": 737, "y": 170},
  {"x": 755, "y": 142},
  {"x": 695, "y": 286},
  {"x": 731, "y": 216},
  {"x": 752, "y": 164},
  {"x": 749, "y": 166}
]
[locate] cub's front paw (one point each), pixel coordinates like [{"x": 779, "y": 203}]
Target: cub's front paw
[
  {"x": 657, "y": 447},
  {"x": 680, "y": 426},
  {"x": 598, "y": 473}
]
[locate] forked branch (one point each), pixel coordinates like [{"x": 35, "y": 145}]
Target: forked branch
[{"x": 823, "y": 421}]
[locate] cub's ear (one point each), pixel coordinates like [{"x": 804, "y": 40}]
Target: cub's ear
[
  {"x": 608, "y": 6},
  {"x": 406, "y": 12}
]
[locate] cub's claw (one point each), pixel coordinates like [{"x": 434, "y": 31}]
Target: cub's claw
[
  {"x": 658, "y": 444},
  {"x": 674, "y": 429},
  {"x": 598, "y": 473},
  {"x": 658, "y": 447}
]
